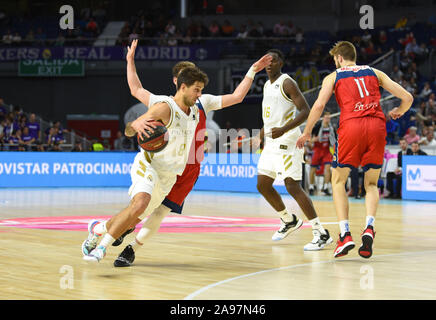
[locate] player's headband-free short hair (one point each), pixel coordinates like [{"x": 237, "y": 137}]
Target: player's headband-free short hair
[
  {"x": 179, "y": 66},
  {"x": 345, "y": 49},
  {"x": 278, "y": 52},
  {"x": 190, "y": 75}
]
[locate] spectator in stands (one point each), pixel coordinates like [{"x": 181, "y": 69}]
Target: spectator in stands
[
  {"x": 92, "y": 27},
  {"x": 280, "y": 29},
  {"x": 27, "y": 139},
  {"x": 412, "y": 136},
  {"x": 16, "y": 39},
  {"x": 382, "y": 40},
  {"x": 214, "y": 29},
  {"x": 227, "y": 29},
  {"x": 392, "y": 129},
  {"x": 30, "y": 37},
  {"x": 34, "y": 127},
  {"x": 396, "y": 73},
  {"x": 412, "y": 47},
  {"x": 170, "y": 28},
  {"x": 416, "y": 151},
  {"x": 397, "y": 173},
  {"x": 60, "y": 40},
  {"x": 426, "y": 91},
  {"x": 299, "y": 36},
  {"x": 243, "y": 32},
  {"x": 8, "y": 127},
  {"x": 123, "y": 143},
  {"x": 428, "y": 140},
  {"x": 7, "y": 38},
  {"x": 40, "y": 37},
  {"x": 77, "y": 147},
  {"x": 15, "y": 139}
]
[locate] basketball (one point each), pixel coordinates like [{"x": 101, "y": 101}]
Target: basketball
[{"x": 157, "y": 141}]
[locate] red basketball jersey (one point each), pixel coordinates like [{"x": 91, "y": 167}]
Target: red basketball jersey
[
  {"x": 357, "y": 92},
  {"x": 196, "y": 153}
]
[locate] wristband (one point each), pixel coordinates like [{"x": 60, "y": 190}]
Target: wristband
[{"x": 251, "y": 73}]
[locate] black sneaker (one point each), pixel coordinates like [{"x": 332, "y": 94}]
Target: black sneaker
[
  {"x": 120, "y": 240},
  {"x": 311, "y": 191},
  {"x": 326, "y": 192},
  {"x": 126, "y": 258}
]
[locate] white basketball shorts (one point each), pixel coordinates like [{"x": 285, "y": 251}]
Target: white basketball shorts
[{"x": 146, "y": 179}]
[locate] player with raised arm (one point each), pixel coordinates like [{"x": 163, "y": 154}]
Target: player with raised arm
[
  {"x": 361, "y": 135},
  {"x": 280, "y": 158},
  {"x": 185, "y": 182}
]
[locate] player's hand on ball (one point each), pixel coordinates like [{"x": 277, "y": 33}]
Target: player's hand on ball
[
  {"x": 142, "y": 126},
  {"x": 263, "y": 62},
  {"x": 395, "y": 113},
  {"x": 131, "y": 50},
  {"x": 302, "y": 140},
  {"x": 277, "y": 132}
]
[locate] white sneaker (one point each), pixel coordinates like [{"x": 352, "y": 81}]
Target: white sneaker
[
  {"x": 319, "y": 241},
  {"x": 287, "y": 228},
  {"x": 91, "y": 242},
  {"x": 96, "y": 255}
]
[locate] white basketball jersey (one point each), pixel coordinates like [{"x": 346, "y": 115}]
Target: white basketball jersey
[
  {"x": 277, "y": 110},
  {"x": 181, "y": 130}
]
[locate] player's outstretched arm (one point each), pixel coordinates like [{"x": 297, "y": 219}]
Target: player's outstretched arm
[
  {"x": 242, "y": 89},
  {"x": 135, "y": 85},
  {"x": 398, "y": 91},
  {"x": 318, "y": 107},
  {"x": 291, "y": 89}
]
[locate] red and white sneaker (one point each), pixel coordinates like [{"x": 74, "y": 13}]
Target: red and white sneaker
[
  {"x": 344, "y": 244},
  {"x": 368, "y": 235}
]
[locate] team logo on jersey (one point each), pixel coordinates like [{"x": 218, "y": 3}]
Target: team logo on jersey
[
  {"x": 150, "y": 178},
  {"x": 177, "y": 116},
  {"x": 276, "y": 86}
]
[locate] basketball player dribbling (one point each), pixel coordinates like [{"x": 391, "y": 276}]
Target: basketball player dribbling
[
  {"x": 280, "y": 157},
  {"x": 185, "y": 182},
  {"x": 361, "y": 135},
  {"x": 154, "y": 174}
]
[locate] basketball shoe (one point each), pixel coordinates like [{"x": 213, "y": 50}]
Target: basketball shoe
[
  {"x": 287, "y": 228},
  {"x": 344, "y": 245},
  {"x": 319, "y": 241},
  {"x": 121, "y": 238},
  {"x": 96, "y": 255},
  {"x": 91, "y": 242},
  {"x": 368, "y": 235},
  {"x": 126, "y": 258}
]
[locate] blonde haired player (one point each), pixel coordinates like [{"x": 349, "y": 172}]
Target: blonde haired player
[
  {"x": 361, "y": 135},
  {"x": 185, "y": 182},
  {"x": 280, "y": 158}
]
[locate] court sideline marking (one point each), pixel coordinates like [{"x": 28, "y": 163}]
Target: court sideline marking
[{"x": 216, "y": 284}]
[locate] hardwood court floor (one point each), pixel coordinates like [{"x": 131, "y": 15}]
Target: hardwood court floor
[{"x": 220, "y": 248}]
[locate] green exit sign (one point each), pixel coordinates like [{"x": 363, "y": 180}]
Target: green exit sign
[{"x": 51, "y": 68}]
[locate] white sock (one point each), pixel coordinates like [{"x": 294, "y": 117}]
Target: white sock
[
  {"x": 344, "y": 227},
  {"x": 316, "y": 225},
  {"x": 285, "y": 216},
  {"x": 311, "y": 186},
  {"x": 107, "y": 240},
  {"x": 135, "y": 243},
  {"x": 370, "y": 220},
  {"x": 100, "y": 228}
]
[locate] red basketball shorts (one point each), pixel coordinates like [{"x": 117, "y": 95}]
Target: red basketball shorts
[
  {"x": 184, "y": 184},
  {"x": 361, "y": 142},
  {"x": 321, "y": 156}
]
